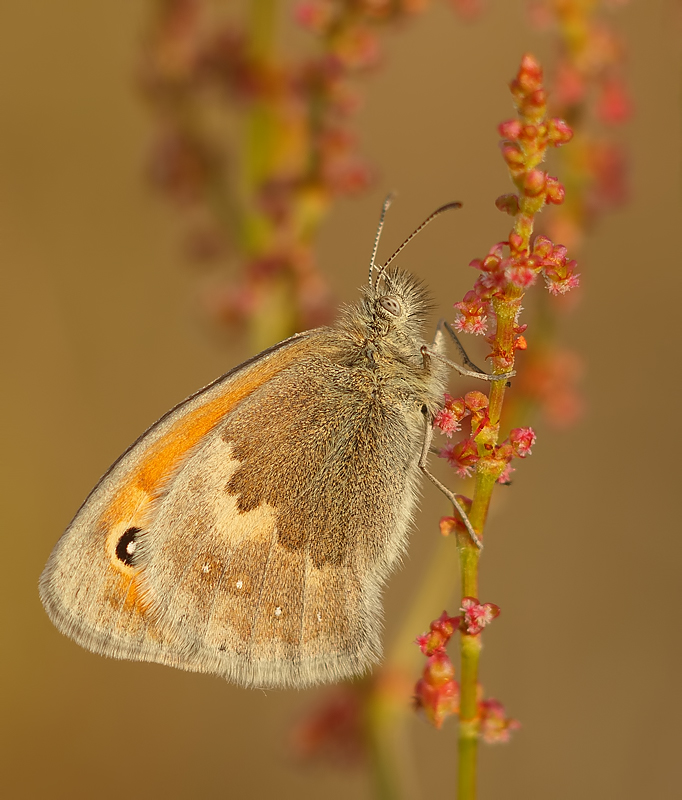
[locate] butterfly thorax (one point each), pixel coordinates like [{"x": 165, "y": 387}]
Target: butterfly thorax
[{"x": 382, "y": 335}]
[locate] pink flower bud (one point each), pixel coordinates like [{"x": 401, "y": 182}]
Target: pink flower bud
[
  {"x": 530, "y": 73},
  {"x": 448, "y": 526},
  {"x": 509, "y": 203},
  {"x": 536, "y": 102},
  {"x": 522, "y": 272},
  {"x": 543, "y": 247},
  {"x": 534, "y": 182},
  {"x": 476, "y": 615},
  {"x": 449, "y": 417},
  {"x": 439, "y": 669},
  {"x": 516, "y": 243},
  {"x": 559, "y": 132},
  {"x": 521, "y": 440},
  {"x": 437, "y": 693},
  {"x": 462, "y": 456},
  {"x": 475, "y": 401},
  {"x": 439, "y": 634},
  {"x": 473, "y": 314},
  {"x": 561, "y": 285},
  {"x": 513, "y": 155},
  {"x": 555, "y": 191},
  {"x": 510, "y": 129},
  {"x": 495, "y": 725},
  {"x": 529, "y": 132}
]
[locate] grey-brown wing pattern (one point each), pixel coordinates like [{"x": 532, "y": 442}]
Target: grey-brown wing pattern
[
  {"x": 269, "y": 551},
  {"x": 91, "y": 584}
]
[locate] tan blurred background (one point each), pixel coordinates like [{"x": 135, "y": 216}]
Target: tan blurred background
[{"x": 102, "y": 332}]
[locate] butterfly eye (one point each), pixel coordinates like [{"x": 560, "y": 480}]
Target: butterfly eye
[
  {"x": 126, "y": 546},
  {"x": 392, "y": 305}
]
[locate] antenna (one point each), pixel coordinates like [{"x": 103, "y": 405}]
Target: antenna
[
  {"x": 384, "y": 209},
  {"x": 431, "y": 217}
]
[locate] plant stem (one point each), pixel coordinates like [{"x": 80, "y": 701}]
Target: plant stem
[
  {"x": 488, "y": 471},
  {"x": 470, "y": 647},
  {"x": 274, "y": 315},
  {"x": 259, "y": 129}
]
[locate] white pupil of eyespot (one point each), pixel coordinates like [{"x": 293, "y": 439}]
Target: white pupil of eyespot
[{"x": 391, "y": 305}]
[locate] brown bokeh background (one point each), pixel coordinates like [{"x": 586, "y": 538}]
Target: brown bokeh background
[{"x": 103, "y": 332}]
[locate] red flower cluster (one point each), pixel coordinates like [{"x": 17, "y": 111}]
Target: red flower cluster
[
  {"x": 550, "y": 379},
  {"x": 258, "y": 201},
  {"x": 475, "y": 615},
  {"x": 437, "y": 691},
  {"x": 495, "y": 725},
  {"x": 589, "y": 86},
  {"x": 524, "y": 144},
  {"x": 463, "y": 456},
  {"x": 333, "y": 732},
  {"x": 448, "y": 419}
]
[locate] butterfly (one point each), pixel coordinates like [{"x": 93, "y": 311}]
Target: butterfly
[{"x": 248, "y": 533}]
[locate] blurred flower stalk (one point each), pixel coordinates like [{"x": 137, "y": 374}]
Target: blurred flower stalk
[
  {"x": 254, "y": 148},
  {"x": 587, "y": 89}
]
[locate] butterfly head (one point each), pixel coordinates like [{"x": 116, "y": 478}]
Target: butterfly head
[
  {"x": 389, "y": 318},
  {"x": 398, "y": 302}
]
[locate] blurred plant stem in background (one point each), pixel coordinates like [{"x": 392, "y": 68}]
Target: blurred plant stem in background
[
  {"x": 587, "y": 89},
  {"x": 253, "y": 147}
]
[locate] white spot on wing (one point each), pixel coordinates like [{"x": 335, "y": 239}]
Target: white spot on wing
[
  {"x": 278, "y": 611},
  {"x": 240, "y": 583}
]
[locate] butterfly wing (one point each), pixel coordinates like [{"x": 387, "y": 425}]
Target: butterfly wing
[
  {"x": 91, "y": 584},
  {"x": 248, "y": 533},
  {"x": 270, "y": 546}
]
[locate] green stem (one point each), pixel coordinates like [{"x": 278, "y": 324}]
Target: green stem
[
  {"x": 488, "y": 471},
  {"x": 470, "y": 648},
  {"x": 274, "y": 315},
  {"x": 389, "y": 754}
]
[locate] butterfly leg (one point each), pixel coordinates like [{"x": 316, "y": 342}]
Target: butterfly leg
[
  {"x": 433, "y": 352},
  {"x": 473, "y": 372},
  {"x": 428, "y": 437},
  {"x": 444, "y": 324}
]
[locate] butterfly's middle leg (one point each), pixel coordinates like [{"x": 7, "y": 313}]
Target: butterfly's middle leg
[
  {"x": 474, "y": 372},
  {"x": 428, "y": 438}
]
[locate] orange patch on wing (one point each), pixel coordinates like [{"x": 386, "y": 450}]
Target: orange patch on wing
[
  {"x": 158, "y": 462},
  {"x": 136, "y": 598}
]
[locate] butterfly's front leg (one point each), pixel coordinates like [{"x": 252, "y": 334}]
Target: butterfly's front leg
[
  {"x": 474, "y": 372},
  {"x": 428, "y": 438}
]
